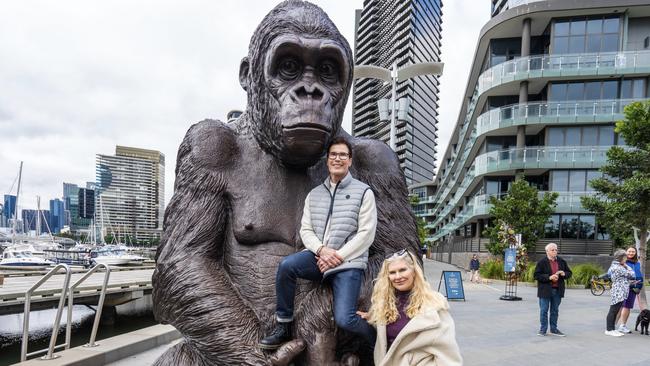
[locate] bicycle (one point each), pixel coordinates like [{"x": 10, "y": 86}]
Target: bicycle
[{"x": 598, "y": 284}]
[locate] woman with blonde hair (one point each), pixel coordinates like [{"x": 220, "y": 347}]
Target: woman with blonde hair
[{"x": 413, "y": 323}]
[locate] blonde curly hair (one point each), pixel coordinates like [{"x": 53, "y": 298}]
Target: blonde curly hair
[{"x": 384, "y": 302}]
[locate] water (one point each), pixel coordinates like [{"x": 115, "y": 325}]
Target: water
[{"x": 129, "y": 317}]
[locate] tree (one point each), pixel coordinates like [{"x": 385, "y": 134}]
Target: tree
[
  {"x": 622, "y": 202},
  {"x": 523, "y": 211},
  {"x": 422, "y": 231}
]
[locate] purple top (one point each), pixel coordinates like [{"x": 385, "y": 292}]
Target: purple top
[{"x": 393, "y": 329}]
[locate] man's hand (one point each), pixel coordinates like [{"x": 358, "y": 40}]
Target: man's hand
[
  {"x": 560, "y": 273},
  {"x": 328, "y": 258},
  {"x": 553, "y": 277}
]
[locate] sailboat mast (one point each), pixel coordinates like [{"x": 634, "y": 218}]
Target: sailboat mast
[{"x": 20, "y": 175}]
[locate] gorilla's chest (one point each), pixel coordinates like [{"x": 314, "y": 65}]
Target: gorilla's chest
[{"x": 267, "y": 203}]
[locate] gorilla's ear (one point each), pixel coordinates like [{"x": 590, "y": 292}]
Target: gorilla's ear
[{"x": 244, "y": 68}]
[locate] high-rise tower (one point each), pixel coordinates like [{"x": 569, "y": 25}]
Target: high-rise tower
[{"x": 404, "y": 32}]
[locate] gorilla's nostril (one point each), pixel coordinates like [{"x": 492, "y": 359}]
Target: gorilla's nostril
[{"x": 312, "y": 91}]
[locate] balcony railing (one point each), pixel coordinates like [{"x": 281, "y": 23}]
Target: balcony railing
[
  {"x": 605, "y": 63},
  {"x": 608, "y": 110},
  {"x": 567, "y": 202},
  {"x": 544, "y": 157}
]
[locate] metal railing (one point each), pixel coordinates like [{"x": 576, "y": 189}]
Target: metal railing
[
  {"x": 539, "y": 65},
  {"x": 606, "y": 110},
  {"x": 100, "y": 305},
  {"x": 57, "y": 319}
]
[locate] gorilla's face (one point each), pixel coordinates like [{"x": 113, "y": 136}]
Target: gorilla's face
[{"x": 307, "y": 78}]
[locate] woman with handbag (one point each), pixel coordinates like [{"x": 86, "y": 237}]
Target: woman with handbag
[
  {"x": 636, "y": 287},
  {"x": 621, "y": 275}
]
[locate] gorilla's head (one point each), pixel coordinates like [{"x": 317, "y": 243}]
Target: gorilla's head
[{"x": 297, "y": 76}]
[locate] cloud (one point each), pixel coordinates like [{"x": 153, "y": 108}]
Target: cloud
[{"x": 79, "y": 77}]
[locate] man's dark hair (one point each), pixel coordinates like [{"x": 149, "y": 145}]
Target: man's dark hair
[{"x": 340, "y": 141}]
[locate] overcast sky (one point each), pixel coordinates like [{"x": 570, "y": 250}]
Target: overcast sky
[{"x": 78, "y": 77}]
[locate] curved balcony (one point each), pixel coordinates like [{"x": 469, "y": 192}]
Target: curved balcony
[
  {"x": 589, "y": 111},
  {"x": 540, "y": 66},
  {"x": 567, "y": 202},
  {"x": 541, "y": 157}
]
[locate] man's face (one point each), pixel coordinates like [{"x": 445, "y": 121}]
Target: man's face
[
  {"x": 338, "y": 160},
  {"x": 551, "y": 252}
]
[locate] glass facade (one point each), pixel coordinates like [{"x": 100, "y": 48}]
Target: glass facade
[
  {"x": 586, "y": 35},
  {"x": 568, "y": 226}
]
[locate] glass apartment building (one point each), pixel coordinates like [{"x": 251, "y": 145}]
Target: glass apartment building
[
  {"x": 129, "y": 194},
  {"x": 402, "y": 32},
  {"x": 548, "y": 82}
]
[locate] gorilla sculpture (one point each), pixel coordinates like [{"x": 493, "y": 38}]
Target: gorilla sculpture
[{"x": 238, "y": 199}]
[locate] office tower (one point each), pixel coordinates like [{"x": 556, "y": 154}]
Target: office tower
[
  {"x": 404, "y": 32},
  {"x": 71, "y": 200},
  {"x": 130, "y": 188},
  {"x": 9, "y": 208},
  {"x": 57, "y": 215},
  {"x": 32, "y": 219},
  {"x": 548, "y": 82},
  {"x": 86, "y": 203}
]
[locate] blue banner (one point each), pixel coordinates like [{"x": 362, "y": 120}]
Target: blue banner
[
  {"x": 453, "y": 285},
  {"x": 510, "y": 260}
]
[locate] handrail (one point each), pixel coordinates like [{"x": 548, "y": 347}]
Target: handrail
[
  {"x": 98, "y": 312},
  {"x": 57, "y": 319}
]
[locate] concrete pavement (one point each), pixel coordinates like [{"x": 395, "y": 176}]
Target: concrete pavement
[{"x": 496, "y": 332}]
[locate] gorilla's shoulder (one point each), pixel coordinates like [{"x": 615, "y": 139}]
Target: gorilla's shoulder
[
  {"x": 371, "y": 154},
  {"x": 210, "y": 143}
]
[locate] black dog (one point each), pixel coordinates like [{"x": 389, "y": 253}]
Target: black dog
[{"x": 644, "y": 319}]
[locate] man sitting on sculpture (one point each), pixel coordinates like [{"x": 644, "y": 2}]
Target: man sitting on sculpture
[{"x": 337, "y": 229}]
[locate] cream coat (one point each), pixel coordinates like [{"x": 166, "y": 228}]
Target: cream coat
[{"x": 428, "y": 339}]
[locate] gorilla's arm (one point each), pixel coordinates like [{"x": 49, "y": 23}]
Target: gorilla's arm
[{"x": 191, "y": 288}]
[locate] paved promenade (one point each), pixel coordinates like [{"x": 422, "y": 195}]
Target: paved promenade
[{"x": 495, "y": 332}]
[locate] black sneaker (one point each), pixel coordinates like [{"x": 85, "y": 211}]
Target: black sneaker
[
  {"x": 281, "y": 334},
  {"x": 557, "y": 333},
  {"x": 541, "y": 334}
]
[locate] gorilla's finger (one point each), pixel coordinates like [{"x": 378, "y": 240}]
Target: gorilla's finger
[
  {"x": 287, "y": 352},
  {"x": 350, "y": 359}
]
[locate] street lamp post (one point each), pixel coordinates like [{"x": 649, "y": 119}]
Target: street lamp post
[{"x": 393, "y": 76}]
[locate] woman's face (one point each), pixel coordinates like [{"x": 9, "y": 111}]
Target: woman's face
[
  {"x": 631, "y": 252},
  {"x": 401, "y": 276}
]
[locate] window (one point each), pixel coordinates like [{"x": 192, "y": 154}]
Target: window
[
  {"x": 552, "y": 227},
  {"x": 570, "y": 226},
  {"x": 577, "y": 180},
  {"x": 581, "y": 136},
  {"x": 591, "y": 35},
  {"x": 560, "y": 180},
  {"x": 633, "y": 88}
]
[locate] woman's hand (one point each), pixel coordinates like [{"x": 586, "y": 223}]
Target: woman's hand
[{"x": 363, "y": 314}]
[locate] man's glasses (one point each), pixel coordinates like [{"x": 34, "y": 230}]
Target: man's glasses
[
  {"x": 341, "y": 156},
  {"x": 397, "y": 255}
]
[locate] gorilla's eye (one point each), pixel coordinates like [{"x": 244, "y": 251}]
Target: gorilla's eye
[
  {"x": 328, "y": 71},
  {"x": 288, "y": 69}
]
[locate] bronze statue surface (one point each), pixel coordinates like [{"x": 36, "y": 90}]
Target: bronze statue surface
[{"x": 238, "y": 199}]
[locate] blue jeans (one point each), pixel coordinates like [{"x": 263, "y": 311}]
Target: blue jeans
[
  {"x": 550, "y": 303},
  {"x": 346, "y": 286}
]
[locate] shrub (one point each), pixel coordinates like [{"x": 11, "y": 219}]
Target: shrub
[
  {"x": 582, "y": 273},
  {"x": 492, "y": 269},
  {"x": 527, "y": 276}
]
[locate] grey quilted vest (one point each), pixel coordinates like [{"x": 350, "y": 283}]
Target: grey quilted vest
[{"x": 340, "y": 209}]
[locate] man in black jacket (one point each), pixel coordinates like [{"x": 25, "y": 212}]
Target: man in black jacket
[{"x": 551, "y": 273}]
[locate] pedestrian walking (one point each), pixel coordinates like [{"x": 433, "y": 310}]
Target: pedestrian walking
[{"x": 474, "y": 266}]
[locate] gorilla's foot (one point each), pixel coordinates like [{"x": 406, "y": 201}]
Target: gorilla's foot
[
  {"x": 281, "y": 334},
  {"x": 288, "y": 352}
]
